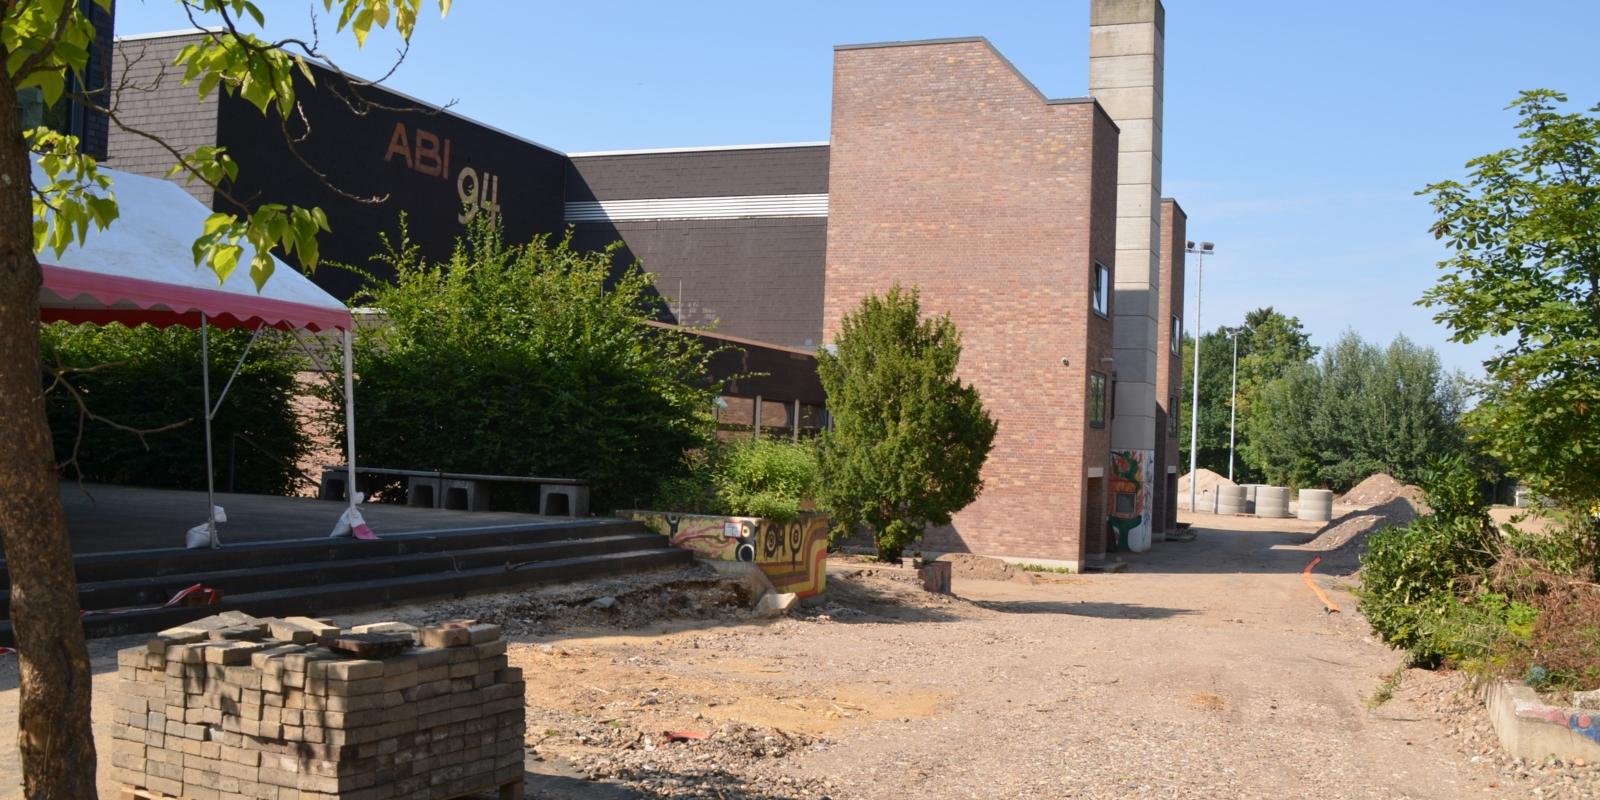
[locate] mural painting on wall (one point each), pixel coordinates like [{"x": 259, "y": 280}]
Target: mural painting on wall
[
  {"x": 1583, "y": 723},
  {"x": 1132, "y": 472},
  {"x": 793, "y": 555}
]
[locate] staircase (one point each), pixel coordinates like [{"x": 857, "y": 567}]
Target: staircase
[{"x": 122, "y": 593}]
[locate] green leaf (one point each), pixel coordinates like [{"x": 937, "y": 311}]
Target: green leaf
[{"x": 216, "y": 222}]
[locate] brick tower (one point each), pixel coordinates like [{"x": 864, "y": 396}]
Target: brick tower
[{"x": 1125, "y": 76}]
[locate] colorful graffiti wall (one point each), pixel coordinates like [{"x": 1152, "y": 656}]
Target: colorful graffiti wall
[
  {"x": 793, "y": 555},
  {"x": 1133, "y": 475}
]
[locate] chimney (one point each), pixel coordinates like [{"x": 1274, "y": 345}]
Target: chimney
[{"x": 1125, "y": 66}]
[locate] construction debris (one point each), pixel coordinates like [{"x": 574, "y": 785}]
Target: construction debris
[{"x": 234, "y": 706}]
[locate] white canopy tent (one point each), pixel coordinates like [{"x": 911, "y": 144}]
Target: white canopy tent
[{"x": 141, "y": 270}]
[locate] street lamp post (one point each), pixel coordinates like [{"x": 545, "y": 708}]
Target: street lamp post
[
  {"x": 1199, "y": 253},
  {"x": 1233, "y": 402}
]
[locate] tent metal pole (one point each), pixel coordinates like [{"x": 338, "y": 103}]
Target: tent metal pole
[
  {"x": 211, "y": 478},
  {"x": 350, "y": 416}
]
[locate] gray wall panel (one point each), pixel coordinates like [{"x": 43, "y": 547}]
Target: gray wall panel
[
  {"x": 755, "y": 278},
  {"x": 709, "y": 173}
]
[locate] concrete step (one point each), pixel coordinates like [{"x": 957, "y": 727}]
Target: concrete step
[
  {"x": 95, "y": 567},
  {"x": 154, "y": 591},
  {"x": 327, "y": 598}
]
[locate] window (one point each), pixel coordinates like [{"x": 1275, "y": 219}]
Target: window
[
  {"x": 1097, "y": 400},
  {"x": 1173, "y": 412},
  {"x": 1102, "y": 289},
  {"x": 1177, "y": 335}
]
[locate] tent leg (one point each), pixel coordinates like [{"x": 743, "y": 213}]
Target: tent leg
[
  {"x": 211, "y": 478},
  {"x": 350, "y": 418}
]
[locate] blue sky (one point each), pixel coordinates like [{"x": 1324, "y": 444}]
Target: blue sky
[{"x": 1296, "y": 133}]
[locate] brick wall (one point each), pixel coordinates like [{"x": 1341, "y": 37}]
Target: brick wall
[
  {"x": 1169, "y": 372},
  {"x": 148, "y": 95},
  {"x": 949, "y": 171}
]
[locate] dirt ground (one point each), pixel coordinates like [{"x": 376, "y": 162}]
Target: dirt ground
[{"x": 1206, "y": 669}]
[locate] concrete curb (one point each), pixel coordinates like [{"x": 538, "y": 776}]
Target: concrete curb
[{"x": 1531, "y": 729}]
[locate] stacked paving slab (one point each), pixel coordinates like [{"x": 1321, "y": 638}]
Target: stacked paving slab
[{"x": 238, "y": 708}]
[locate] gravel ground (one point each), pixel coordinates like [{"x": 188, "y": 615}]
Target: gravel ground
[{"x": 1205, "y": 670}]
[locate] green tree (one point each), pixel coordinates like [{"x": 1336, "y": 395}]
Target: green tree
[
  {"x": 909, "y": 438},
  {"x": 528, "y": 359},
  {"x": 1360, "y": 409},
  {"x": 1270, "y": 343},
  {"x": 1523, "y": 230},
  {"x": 45, "y": 44},
  {"x": 1216, "y": 376}
]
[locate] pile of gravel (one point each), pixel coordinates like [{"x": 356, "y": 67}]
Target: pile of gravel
[{"x": 1379, "y": 489}]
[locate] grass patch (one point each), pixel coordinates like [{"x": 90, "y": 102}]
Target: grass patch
[
  {"x": 1385, "y": 691},
  {"x": 1043, "y": 568}
]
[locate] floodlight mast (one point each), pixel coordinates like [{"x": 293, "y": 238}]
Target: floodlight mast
[{"x": 1199, "y": 253}]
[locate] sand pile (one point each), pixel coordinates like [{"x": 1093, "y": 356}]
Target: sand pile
[
  {"x": 967, "y": 567},
  {"x": 1205, "y": 481},
  {"x": 1342, "y": 541},
  {"x": 1379, "y": 489}
]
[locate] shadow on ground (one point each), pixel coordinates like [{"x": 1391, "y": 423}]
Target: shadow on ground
[
  {"x": 550, "y": 782},
  {"x": 1082, "y": 609},
  {"x": 1224, "y": 552}
]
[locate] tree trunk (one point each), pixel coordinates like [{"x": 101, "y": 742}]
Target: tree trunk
[{"x": 57, "y": 744}]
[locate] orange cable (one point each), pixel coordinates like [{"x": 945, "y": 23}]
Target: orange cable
[{"x": 1332, "y": 609}]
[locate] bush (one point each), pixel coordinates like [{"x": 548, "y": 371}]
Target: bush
[
  {"x": 766, "y": 478},
  {"x": 747, "y": 478},
  {"x": 529, "y": 359},
  {"x": 150, "y": 378},
  {"x": 1410, "y": 577},
  {"x": 1454, "y": 490},
  {"x": 1561, "y": 647},
  {"x": 909, "y": 439}
]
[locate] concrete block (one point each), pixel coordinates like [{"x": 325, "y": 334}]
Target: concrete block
[
  {"x": 1122, "y": 40},
  {"x": 445, "y": 636},
  {"x": 1316, "y": 505},
  {"x": 775, "y": 604},
  {"x": 1127, "y": 12},
  {"x": 1130, "y": 103},
  {"x": 1532, "y": 729},
  {"x": 1272, "y": 502},
  {"x": 563, "y": 500},
  {"x": 1122, "y": 71}
]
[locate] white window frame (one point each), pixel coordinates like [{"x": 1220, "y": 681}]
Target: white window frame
[
  {"x": 1100, "y": 290},
  {"x": 1098, "y": 399},
  {"x": 1177, "y": 335}
]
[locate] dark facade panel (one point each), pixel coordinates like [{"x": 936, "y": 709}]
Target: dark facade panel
[
  {"x": 708, "y": 173},
  {"x": 754, "y": 278},
  {"x": 149, "y": 96},
  {"x": 757, "y": 369},
  {"x": 93, "y": 126},
  {"x": 405, "y": 155}
]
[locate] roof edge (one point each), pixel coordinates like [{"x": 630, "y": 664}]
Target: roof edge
[
  {"x": 984, "y": 40},
  {"x": 136, "y": 37},
  {"x": 799, "y": 351},
  {"x": 914, "y": 43},
  {"x": 321, "y": 64},
  {"x": 698, "y": 149}
]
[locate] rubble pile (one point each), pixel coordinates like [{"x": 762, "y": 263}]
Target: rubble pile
[{"x": 234, "y": 707}]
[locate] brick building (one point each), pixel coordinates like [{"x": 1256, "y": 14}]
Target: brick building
[
  {"x": 949, "y": 171},
  {"x": 1036, "y": 223}
]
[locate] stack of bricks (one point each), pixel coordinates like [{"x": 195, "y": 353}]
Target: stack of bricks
[{"x": 236, "y": 708}]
